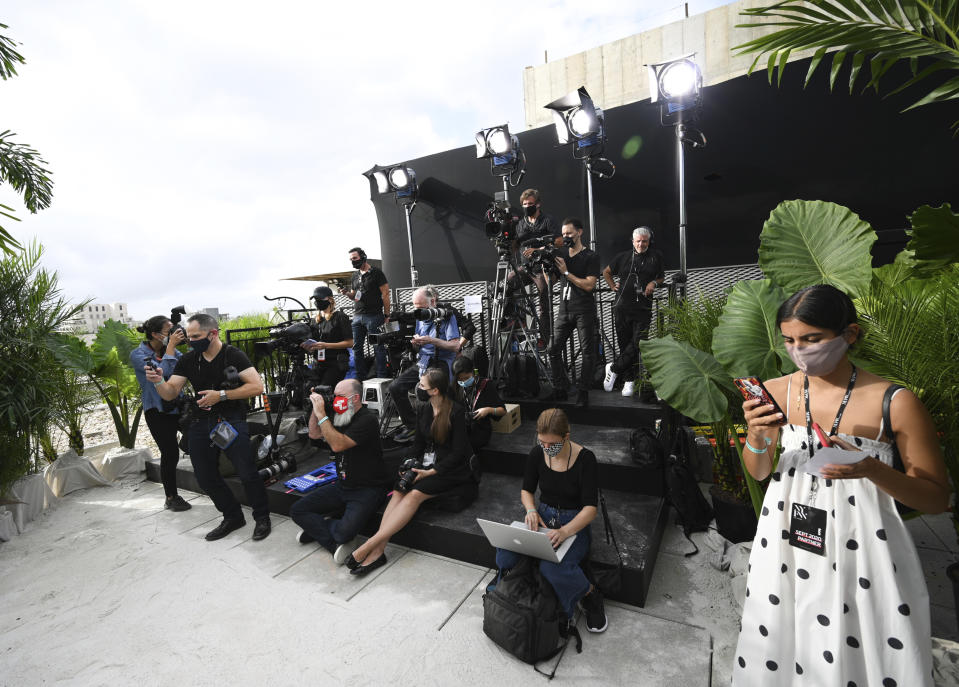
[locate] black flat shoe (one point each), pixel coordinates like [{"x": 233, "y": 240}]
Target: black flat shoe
[
  {"x": 224, "y": 528},
  {"x": 367, "y": 569},
  {"x": 352, "y": 563},
  {"x": 262, "y": 529}
]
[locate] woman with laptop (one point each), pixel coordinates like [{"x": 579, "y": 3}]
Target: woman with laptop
[{"x": 565, "y": 473}]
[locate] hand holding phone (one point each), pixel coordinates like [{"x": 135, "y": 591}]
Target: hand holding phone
[
  {"x": 823, "y": 439},
  {"x": 752, "y": 388}
]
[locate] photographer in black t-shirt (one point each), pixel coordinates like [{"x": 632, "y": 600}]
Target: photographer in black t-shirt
[
  {"x": 478, "y": 396},
  {"x": 579, "y": 267},
  {"x": 534, "y": 227},
  {"x": 353, "y": 436},
  {"x": 333, "y": 335},
  {"x": 638, "y": 272},
  {"x": 208, "y": 367},
  {"x": 371, "y": 293}
]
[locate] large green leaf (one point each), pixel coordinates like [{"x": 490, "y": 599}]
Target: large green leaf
[
  {"x": 806, "y": 242},
  {"x": 112, "y": 334},
  {"x": 689, "y": 380},
  {"x": 935, "y": 239},
  {"x": 747, "y": 341}
]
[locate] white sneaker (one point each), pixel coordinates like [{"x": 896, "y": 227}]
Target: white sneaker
[
  {"x": 610, "y": 377},
  {"x": 343, "y": 551},
  {"x": 628, "y": 388}
]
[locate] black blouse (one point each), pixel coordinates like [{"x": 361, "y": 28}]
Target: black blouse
[
  {"x": 453, "y": 455},
  {"x": 571, "y": 489}
]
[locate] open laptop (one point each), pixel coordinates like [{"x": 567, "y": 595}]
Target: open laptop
[{"x": 517, "y": 537}]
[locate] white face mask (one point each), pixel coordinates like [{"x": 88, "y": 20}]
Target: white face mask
[{"x": 820, "y": 358}]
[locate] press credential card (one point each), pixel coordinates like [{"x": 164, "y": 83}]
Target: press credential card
[{"x": 830, "y": 455}]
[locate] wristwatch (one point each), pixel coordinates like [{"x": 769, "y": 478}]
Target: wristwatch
[{"x": 222, "y": 394}]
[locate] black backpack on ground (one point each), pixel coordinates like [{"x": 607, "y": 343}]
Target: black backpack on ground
[
  {"x": 693, "y": 511},
  {"x": 522, "y": 377},
  {"x": 521, "y": 614},
  {"x": 646, "y": 449}
]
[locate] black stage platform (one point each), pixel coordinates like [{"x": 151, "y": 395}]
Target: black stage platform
[{"x": 634, "y": 497}]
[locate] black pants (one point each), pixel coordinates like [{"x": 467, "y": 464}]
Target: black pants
[
  {"x": 587, "y": 329},
  {"x": 400, "y": 393},
  {"x": 163, "y": 428},
  {"x": 328, "y": 373},
  {"x": 631, "y": 327}
]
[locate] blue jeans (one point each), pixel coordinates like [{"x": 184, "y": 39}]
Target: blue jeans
[
  {"x": 566, "y": 577},
  {"x": 363, "y": 325},
  {"x": 356, "y": 503},
  {"x": 205, "y": 457}
]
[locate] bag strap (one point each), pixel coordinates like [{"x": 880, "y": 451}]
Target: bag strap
[
  {"x": 608, "y": 526},
  {"x": 886, "y": 405},
  {"x": 561, "y": 650}
]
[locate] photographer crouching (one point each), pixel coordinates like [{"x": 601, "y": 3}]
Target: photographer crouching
[
  {"x": 354, "y": 440},
  {"x": 437, "y": 340},
  {"x": 223, "y": 378}
]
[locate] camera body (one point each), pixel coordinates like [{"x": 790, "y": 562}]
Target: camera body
[
  {"x": 231, "y": 378},
  {"x": 176, "y": 315},
  {"x": 544, "y": 257},
  {"x": 324, "y": 390},
  {"x": 501, "y": 221},
  {"x": 286, "y": 337},
  {"x": 407, "y": 475}
]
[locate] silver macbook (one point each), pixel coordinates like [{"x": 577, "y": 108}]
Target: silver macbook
[{"x": 517, "y": 537}]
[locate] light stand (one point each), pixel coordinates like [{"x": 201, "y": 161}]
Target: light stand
[{"x": 400, "y": 181}]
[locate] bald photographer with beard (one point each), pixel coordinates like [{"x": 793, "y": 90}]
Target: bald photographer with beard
[{"x": 361, "y": 477}]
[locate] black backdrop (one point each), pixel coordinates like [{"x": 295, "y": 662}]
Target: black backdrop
[{"x": 765, "y": 145}]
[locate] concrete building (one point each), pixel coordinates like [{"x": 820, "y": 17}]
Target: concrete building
[{"x": 94, "y": 315}]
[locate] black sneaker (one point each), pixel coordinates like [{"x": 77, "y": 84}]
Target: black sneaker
[
  {"x": 224, "y": 528},
  {"x": 176, "y": 504},
  {"x": 592, "y": 605},
  {"x": 261, "y": 530}
]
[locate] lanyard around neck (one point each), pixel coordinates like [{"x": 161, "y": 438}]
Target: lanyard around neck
[{"x": 842, "y": 407}]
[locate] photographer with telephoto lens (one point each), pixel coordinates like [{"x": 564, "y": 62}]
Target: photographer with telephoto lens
[
  {"x": 637, "y": 272},
  {"x": 208, "y": 367},
  {"x": 159, "y": 352},
  {"x": 333, "y": 334},
  {"x": 354, "y": 440}
]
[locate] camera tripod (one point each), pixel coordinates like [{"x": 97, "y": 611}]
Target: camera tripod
[{"x": 518, "y": 333}]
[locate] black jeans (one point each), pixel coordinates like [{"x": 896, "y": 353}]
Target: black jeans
[
  {"x": 357, "y": 505},
  {"x": 206, "y": 456},
  {"x": 400, "y": 390},
  {"x": 163, "y": 428},
  {"x": 587, "y": 328},
  {"x": 631, "y": 327}
]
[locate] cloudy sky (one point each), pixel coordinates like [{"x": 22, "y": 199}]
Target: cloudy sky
[{"x": 204, "y": 150}]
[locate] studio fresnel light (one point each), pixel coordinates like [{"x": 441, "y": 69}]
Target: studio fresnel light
[
  {"x": 580, "y": 122},
  {"x": 503, "y": 149},
  {"x": 400, "y": 181}
]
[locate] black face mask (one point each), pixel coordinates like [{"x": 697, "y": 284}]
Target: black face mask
[
  {"x": 530, "y": 210},
  {"x": 569, "y": 241},
  {"x": 357, "y": 264},
  {"x": 322, "y": 304},
  {"x": 422, "y": 394}
]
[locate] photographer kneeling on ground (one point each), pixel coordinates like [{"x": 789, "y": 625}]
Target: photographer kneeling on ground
[
  {"x": 566, "y": 475},
  {"x": 442, "y": 450},
  {"x": 361, "y": 479},
  {"x": 480, "y": 399},
  {"x": 163, "y": 418},
  {"x": 207, "y": 367}
]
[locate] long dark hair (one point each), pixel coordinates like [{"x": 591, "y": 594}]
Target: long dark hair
[
  {"x": 821, "y": 305},
  {"x": 152, "y": 326},
  {"x": 439, "y": 379}
]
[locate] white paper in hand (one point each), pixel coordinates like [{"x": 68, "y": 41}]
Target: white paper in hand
[{"x": 830, "y": 455}]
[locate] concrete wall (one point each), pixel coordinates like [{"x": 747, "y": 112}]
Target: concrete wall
[{"x": 615, "y": 74}]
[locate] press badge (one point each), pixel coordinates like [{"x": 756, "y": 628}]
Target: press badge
[
  {"x": 807, "y": 529},
  {"x": 429, "y": 459},
  {"x": 359, "y": 295},
  {"x": 321, "y": 355}
]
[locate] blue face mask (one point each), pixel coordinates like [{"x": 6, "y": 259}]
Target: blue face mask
[
  {"x": 468, "y": 383},
  {"x": 200, "y": 345}
]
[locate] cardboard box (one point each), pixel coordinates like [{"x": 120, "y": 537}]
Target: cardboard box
[{"x": 509, "y": 422}]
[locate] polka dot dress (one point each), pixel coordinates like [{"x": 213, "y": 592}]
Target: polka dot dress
[{"x": 857, "y": 616}]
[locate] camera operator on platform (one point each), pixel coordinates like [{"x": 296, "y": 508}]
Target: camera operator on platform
[
  {"x": 533, "y": 225},
  {"x": 371, "y": 292},
  {"x": 577, "y": 310},
  {"x": 334, "y": 337},
  {"x": 354, "y": 439},
  {"x": 480, "y": 399},
  {"x": 438, "y": 342},
  {"x": 638, "y": 272},
  {"x": 207, "y": 366}
]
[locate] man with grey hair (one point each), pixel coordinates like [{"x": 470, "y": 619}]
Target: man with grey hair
[
  {"x": 637, "y": 272},
  {"x": 223, "y": 378},
  {"x": 354, "y": 440},
  {"x": 438, "y": 341}
]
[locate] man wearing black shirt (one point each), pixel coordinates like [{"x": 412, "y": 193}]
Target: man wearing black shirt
[
  {"x": 207, "y": 367},
  {"x": 371, "y": 292},
  {"x": 354, "y": 440},
  {"x": 579, "y": 268},
  {"x": 481, "y": 401},
  {"x": 535, "y": 224},
  {"x": 638, "y": 272}
]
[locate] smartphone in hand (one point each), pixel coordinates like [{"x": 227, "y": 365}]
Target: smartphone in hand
[
  {"x": 752, "y": 388},
  {"x": 823, "y": 439}
]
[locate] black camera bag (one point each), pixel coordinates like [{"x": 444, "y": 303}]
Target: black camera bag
[{"x": 646, "y": 449}]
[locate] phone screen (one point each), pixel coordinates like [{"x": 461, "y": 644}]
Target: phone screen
[{"x": 752, "y": 387}]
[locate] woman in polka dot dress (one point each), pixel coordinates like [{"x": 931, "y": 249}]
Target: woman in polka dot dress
[{"x": 835, "y": 593}]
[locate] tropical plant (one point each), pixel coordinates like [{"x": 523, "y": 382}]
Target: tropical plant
[
  {"x": 106, "y": 364},
  {"x": 20, "y": 165},
  {"x": 885, "y": 32},
  {"x": 76, "y": 396},
  {"x": 31, "y": 310}
]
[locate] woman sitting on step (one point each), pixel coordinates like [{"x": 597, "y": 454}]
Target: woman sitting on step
[{"x": 566, "y": 475}]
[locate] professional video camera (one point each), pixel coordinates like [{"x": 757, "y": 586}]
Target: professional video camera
[
  {"x": 543, "y": 259},
  {"x": 501, "y": 220},
  {"x": 398, "y": 331},
  {"x": 286, "y": 337}
]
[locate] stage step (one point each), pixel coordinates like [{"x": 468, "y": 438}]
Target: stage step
[
  {"x": 638, "y": 521},
  {"x": 608, "y": 409}
]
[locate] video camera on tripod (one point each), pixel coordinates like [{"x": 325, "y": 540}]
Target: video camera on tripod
[
  {"x": 544, "y": 255},
  {"x": 501, "y": 221},
  {"x": 285, "y": 337}
]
